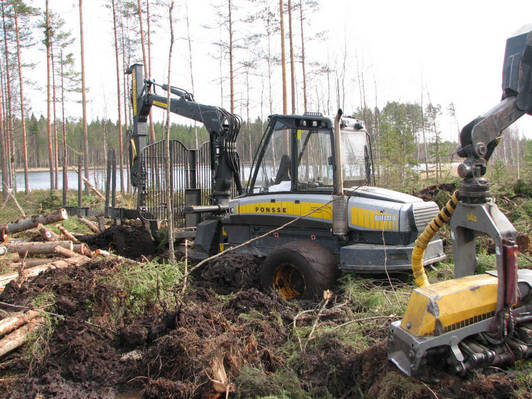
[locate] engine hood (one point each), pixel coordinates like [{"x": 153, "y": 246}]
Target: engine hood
[{"x": 384, "y": 194}]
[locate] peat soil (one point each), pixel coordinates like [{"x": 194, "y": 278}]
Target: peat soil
[{"x": 224, "y": 335}]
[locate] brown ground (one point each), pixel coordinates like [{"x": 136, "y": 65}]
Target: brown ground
[{"x": 224, "y": 322}]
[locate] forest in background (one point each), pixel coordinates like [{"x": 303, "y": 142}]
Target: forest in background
[{"x": 408, "y": 137}]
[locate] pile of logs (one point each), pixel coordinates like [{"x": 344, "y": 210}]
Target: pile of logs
[{"x": 29, "y": 258}]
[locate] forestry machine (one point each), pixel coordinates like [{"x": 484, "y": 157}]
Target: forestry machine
[
  {"x": 475, "y": 320},
  {"x": 309, "y": 206}
]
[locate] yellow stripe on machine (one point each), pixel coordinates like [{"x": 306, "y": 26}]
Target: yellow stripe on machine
[
  {"x": 372, "y": 219},
  {"x": 449, "y": 305},
  {"x": 288, "y": 208},
  {"x": 160, "y": 104}
]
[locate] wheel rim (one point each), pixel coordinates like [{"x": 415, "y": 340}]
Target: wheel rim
[{"x": 289, "y": 282}]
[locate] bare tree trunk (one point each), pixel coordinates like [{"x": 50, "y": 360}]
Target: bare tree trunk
[
  {"x": 146, "y": 61},
  {"x": 63, "y": 125},
  {"x": 189, "y": 40},
  {"x": 83, "y": 98},
  {"x": 4, "y": 154},
  {"x": 22, "y": 112},
  {"x": 126, "y": 114},
  {"x": 425, "y": 147},
  {"x": 292, "y": 70},
  {"x": 231, "y": 76},
  {"x": 303, "y": 56},
  {"x": 167, "y": 160},
  {"x": 56, "y": 153},
  {"x": 283, "y": 57},
  {"x": 49, "y": 106},
  {"x": 118, "y": 100},
  {"x": 9, "y": 119}
]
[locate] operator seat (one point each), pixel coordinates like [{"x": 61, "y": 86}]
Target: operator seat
[{"x": 283, "y": 173}]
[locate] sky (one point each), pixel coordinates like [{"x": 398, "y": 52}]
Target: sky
[{"x": 441, "y": 51}]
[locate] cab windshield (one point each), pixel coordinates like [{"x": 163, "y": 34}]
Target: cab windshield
[{"x": 295, "y": 160}]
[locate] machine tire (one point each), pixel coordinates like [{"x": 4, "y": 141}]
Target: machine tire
[{"x": 299, "y": 269}]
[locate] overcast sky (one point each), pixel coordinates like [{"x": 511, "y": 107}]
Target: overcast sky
[{"x": 451, "y": 51}]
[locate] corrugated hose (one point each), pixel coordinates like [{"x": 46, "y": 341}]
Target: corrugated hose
[{"x": 424, "y": 238}]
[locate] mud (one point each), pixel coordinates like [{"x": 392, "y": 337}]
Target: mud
[{"x": 130, "y": 240}]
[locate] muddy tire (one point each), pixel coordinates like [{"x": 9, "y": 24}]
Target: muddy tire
[{"x": 299, "y": 269}]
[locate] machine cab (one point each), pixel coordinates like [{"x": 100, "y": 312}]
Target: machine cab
[{"x": 296, "y": 154}]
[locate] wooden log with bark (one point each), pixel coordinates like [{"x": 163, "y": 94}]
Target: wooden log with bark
[
  {"x": 47, "y": 234},
  {"x": 32, "y": 221},
  {"x": 68, "y": 235},
  {"x": 5, "y": 279},
  {"x": 67, "y": 253},
  {"x": 41, "y": 248},
  {"x": 89, "y": 224},
  {"x": 32, "y": 262},
  {"x": 16, "y": 320},
  {"x": 19, "y": 337},
  {"x": 90, "y": 185}
]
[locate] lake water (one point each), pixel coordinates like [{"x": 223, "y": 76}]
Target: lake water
[{"x": 40, "y": 180}]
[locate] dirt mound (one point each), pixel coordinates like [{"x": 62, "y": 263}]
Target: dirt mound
[
  {"x": 129, "y": 240},
  {"x": 230, "y": 273}
]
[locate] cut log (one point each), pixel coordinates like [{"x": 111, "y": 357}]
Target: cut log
[
  {"x": 13, "y": 322},
  {"x": 38, "y": 247},
  {"x": 19, "y": 336},
  {"x": 67, "y": 234},
  {"x": 34, "y": 271},
  {"x": 3, "y": 250},
  {"x": 48, "y": 235},
  {"x": 67, "y": 253},
  {"x": 32, "y": 262},
  {"x": 32, "y": 221},
  {"x": 89, "y": 224},
  {"x": 82, "y": 249}
]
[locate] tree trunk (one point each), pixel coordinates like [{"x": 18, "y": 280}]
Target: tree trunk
[
  {"x": 4, "y": 152},
  {"x": 118, "y": 100},
  {"x": 292, "y": 70},
  {"x": 9, "y": 114},
  {"x": 48, "y": 41},
  {"x": 169, "y": 193},
  {"x": 145, "y": 61},
  {"x": 32, "y": 248},
  {"x": 189, "y": 41},
  {"x": 83, "y": 99},
  {"x": 303, "y": 56},
  {"x": 65, "y": 153},
  {"x": 231, "y": 74},
  {"x": 67, "y": 234},
  {"x": 54, "y": 99},
  {"x": 22, "y": 112},
  {"x": 283, "y": 58},
  {"x": 33, "y": 221}
]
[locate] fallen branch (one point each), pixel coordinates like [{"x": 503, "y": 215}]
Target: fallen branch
[
  {"x": 38, "y": 247},
  {"x": 327, "y": 295},
  {"x": 68, "y": 235},
  {"x": 19, "y": 336},
  {"x": 32, "y": 221},
  {"x": 89, "y": 224},
  {"x": 14, "y": 321},
  {"x": 89, "y": 184},
  {"x": 67, "y": 253},
  {"x": 10, "y": 194},
  {"x": 391, "y": 317},
  {"x": 47, "y": 234}
]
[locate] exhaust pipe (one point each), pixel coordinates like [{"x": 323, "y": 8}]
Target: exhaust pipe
[{"x": 339, "y": 207}]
